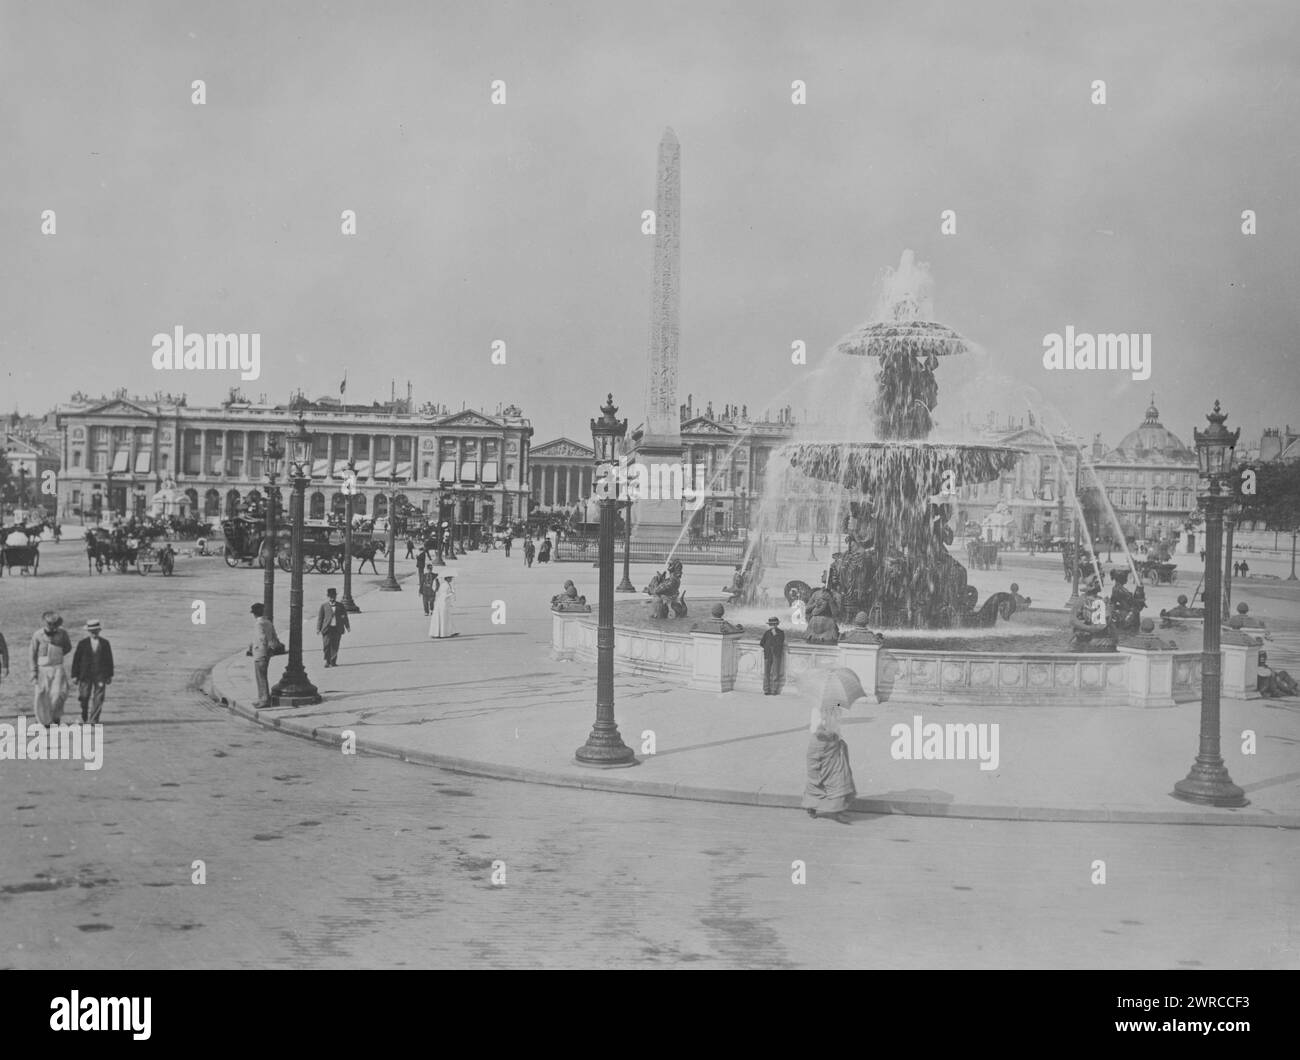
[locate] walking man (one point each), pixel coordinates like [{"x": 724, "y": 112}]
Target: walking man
[
  {"x": 410, "y": 547},
  {"x": 331, "y": 624},
  {"x": 421, "y": 558},
  {"x": 529, "y": 550},
  {"x": 773, "y": 645},
  {"x": 92, "y": 670},
  {"x": 49, "y": 645},
  {"x": 265, "y": 644},
  {"x": 508, "y": 539}
]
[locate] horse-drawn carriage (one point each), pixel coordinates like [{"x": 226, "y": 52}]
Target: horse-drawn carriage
[
  {"x": 983, "y": 555},
  {"x": 148, "y": 556},
  {"x": 24, "y": 552},
  {"x": 121, "y": 548},
  {"x": 1154, "y": 572}
]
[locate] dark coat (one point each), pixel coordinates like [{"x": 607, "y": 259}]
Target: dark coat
[
  {"x": 773, "y": 641},
  {"x": 90, "y": 666}
]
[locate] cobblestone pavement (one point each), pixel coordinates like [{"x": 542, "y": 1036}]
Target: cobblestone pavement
[{"x": 315, "y": 859}]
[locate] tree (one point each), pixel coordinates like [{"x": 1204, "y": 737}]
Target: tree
[{"x": 1275, "y": 500}]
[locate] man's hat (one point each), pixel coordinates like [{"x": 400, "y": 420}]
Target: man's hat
[
  {"x": 331, "y": 592},
  {"x": 93, "y": 625},
  {"x": 773, "y": 621}
]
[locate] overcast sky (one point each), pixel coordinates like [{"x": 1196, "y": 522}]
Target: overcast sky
[{"x": 522, "y": 222}]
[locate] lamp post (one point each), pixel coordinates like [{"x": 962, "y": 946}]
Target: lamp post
[
  {"x": 604, "y": 746},
  {"x": 1208, "y": 782},
  {"x": 390, "y": 584},
  {"x": 626, "y": 586},
  {"x": 438, "y": 560},
  {"x": 294, "y": 689},
  {"x": 273, "y": 455},
  {"x": 349, "y": 492}
]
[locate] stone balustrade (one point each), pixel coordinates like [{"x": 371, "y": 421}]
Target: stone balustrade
[{"x": 724, "y": 662}]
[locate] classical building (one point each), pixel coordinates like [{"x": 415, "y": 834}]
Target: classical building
[
  {"x": 560, "y": 474},
  {"x": 1150, "y": 479},
  {"x": 119, "y": 452}
]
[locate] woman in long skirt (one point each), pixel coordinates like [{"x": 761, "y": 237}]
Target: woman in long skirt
[
  {"x": 829, "y": 790},
  {"x": 440, "y": 625}
]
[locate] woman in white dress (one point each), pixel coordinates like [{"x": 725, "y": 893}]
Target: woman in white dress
[{"x": 440, "y": 623}]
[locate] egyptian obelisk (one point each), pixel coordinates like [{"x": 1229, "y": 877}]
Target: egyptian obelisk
[{"x": 659, "y": 518}]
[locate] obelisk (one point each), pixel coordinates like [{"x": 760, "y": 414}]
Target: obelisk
[{"x": 659, "y": 518}]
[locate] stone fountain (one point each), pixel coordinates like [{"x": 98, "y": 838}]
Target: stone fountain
[{"x": 897, "y": 567}]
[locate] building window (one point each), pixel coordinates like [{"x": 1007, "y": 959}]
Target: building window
[
  {"x": 76, "y": 458},
  {"x": 317, "y": 506},
  {"x": 211, "y": 503}
]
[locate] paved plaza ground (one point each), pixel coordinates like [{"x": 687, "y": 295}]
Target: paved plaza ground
[{"x": 318, "y": 859}]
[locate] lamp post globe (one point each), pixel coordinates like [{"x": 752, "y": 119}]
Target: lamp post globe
[
  {"x": 294, "y": 689},
  {"x": 1208, "y": 782},
  {"x": 604, "y": 746}
]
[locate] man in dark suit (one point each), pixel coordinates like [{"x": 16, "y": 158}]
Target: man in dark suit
[
  {"x": 331, "y": 624},
  {"x": 92, "y": 670}
]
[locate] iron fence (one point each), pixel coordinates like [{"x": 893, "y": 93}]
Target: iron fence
[{"x": 580, "y": 548}]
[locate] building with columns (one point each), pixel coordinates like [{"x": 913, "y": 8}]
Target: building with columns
[
  {"x": 118, "y": 452},
  {"x": 561, "y": 473}
]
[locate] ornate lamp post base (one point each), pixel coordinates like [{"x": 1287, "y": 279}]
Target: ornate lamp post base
[
  {"x": 605, "y": 748},
  {"x": 351, "y": 605},
  {"x": 294, "y": 690},
  {"x": 1208, "y": 784},
  {"x": 390, "y": 587},
  {"x": 625, "y": 586}
]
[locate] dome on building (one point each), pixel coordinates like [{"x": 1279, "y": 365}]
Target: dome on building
[{"x": 1152, "y": 442}]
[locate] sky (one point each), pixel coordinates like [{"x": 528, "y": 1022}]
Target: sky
[{"x": 522, "y": 222}]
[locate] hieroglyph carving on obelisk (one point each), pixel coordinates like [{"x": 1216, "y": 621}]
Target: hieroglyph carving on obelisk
[{"x": 662, "y": 414}]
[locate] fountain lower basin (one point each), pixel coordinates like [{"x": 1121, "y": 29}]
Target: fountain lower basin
[{"x": 949, "y": 674}]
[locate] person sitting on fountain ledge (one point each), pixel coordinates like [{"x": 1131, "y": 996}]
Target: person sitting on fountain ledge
[
  {"x": 859, "y": 634},
  {"x": 569, "y": 600},
  {"x": 1273, "y": 684},
  {"x": 718, "y": 623}
]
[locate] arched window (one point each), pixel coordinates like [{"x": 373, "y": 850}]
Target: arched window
[
  {"x": 381, "y": 505},
  {"x": 359, "y": 504},
  {"x": 211, "y": 503},
  {"x": 317, "y": 506},
  {"x": 254, "y": 497},
  {"x": 339, "y": 504},
  {"x": 232, "y": 503},
  {"x": 193, "y": 496}
]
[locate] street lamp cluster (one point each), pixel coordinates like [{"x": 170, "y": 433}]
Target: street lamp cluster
[{"x": 294, "y": 689}]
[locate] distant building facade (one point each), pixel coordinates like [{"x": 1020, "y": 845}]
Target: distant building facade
[
  {"x": 118, "y": 452},
  {"x": 1150, "y": 479}
]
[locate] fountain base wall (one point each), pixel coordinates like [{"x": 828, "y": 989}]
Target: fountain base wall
[{"x": 721, "y": 662}]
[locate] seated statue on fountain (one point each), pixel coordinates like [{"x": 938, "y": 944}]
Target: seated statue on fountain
[
  {"x": 860, "y": 634},
  {"x": 851, "y": 575},
  {"x": 1125, "y": 606},
  {"x": 569, "y": 600},
  {"x": 822, "y": 628},
  {"x": 664, "y": 588},
  {"x": 1091, "y": 622}
]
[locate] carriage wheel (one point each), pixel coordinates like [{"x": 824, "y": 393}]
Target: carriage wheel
[
  {"x": 285, "y": 561},
  {"x": 325, "y": 565}
]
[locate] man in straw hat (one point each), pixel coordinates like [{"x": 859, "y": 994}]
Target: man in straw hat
[
  {"x": 49, "y": 645},
  {"x": 92, "y": 670}
]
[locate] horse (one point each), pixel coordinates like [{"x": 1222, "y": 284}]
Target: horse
[
  {"x": 99, "y": 552},
  {"x": 364, "y": 552}
]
